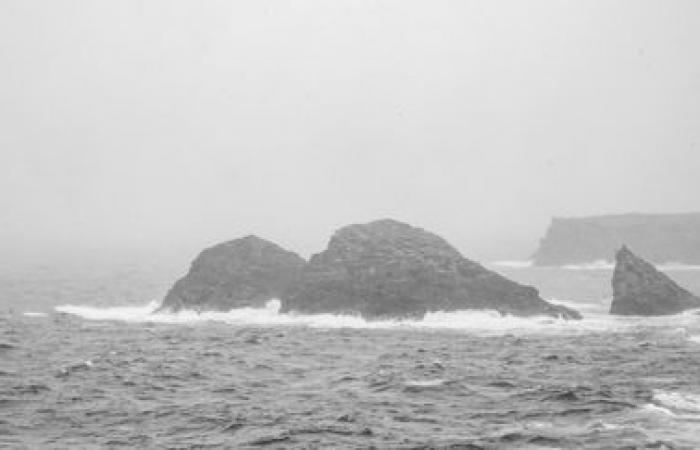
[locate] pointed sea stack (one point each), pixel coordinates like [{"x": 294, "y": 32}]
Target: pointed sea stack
[
  {"x": 640, "y": 289},
  {"x": 245, "y": 272},
  {"x": 388, "y": 269}
]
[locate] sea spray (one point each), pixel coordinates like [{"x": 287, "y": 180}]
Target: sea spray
[
  {"x": 480, "y": 322},
  {"x": 515, "y": 264},
  {"x": 600, "y": 264}
]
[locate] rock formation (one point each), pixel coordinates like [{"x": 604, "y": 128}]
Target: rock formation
[
  {"x": 660, "y": 238},
  {"x": 640, "y": 289},
  {"x": 235, "y": 274},
  {"x": 389, "y": 269}
]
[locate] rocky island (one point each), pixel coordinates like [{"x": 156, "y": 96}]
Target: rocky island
[
  {"x": 245, "y": 272},
  {"x": 383, "y": 269},
  {"x": 660, "y": 238},
  {"x": 388, "y": 269},
  {"x": 640, "y": 289}
]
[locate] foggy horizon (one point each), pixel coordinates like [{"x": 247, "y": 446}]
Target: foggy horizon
[
  {"x": 129, "y": 125},
  {"x": 141, "y": 140}
]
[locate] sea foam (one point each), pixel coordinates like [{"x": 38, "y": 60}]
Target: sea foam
[
  {"x": 600, "y": 264},
  {"x": 677, "y": 267},
  {"x": 513, "y": 264},
  {"x": 681, "y": 406},
  {"x": 482, "y": 322},
  {"x": 607, "y": 265},
  {"x": 685, "y": 402}
]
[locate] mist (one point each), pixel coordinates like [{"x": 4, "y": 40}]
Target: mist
[{"x": 129, "y": 126}]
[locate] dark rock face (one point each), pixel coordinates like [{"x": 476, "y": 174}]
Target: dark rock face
[
  {"x": 390, "y": 269},
  {"x": 660, "y": 238},
  {"x": 640, "y": 289},
  {"x": 236, "y": 274}
]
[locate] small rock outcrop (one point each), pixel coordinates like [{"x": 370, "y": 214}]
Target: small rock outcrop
[
  {"x": 388, "y": 269},
  {"x": 660, "y": 238},
  {"x": 245, "y": 272},
  {"x": 640, "y": 289}
]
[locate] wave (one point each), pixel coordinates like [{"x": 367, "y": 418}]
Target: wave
[
  {"x": 601, "y": 307},
  {"x": 681, "y": 406},
  {"x": 655, "y": 409},
  {"x": 270, "y": 315},
  {"x": 513, "y": 264},
  {"x": 677, "y": 401},
  {"x": 677, "y": 267},
  {"x": 481, "y": 322},
  {"x": 600, "y": 264},
  {"x": 668, "y": 410},
  {"x": 122, "y": 313}
]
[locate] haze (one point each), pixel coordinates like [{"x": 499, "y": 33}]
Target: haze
[{"x": 163, "y": 124}]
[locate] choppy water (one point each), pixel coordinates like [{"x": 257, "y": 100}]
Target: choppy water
[{"x": 85, "y": 364}]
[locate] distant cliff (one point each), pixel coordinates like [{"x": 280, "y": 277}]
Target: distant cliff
[{"x": 659, "y": 238}]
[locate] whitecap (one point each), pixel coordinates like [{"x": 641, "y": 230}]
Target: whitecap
[
  {"x": 34, "y": 314},
  {"x": 600, "y": 264},
  {"x": 655, "y": 409},
  {"x": 602, "y": 425},
  {"x": 513, "y": 264},
  {"x": 678, "y": 401},
  {"x": 480, "y": 322},
  {"x": 601, "y": 307},
  {"x": 425, "y": 383},
  {"x": 677, "y": 267},
  {"x": 123, "y": 313}
]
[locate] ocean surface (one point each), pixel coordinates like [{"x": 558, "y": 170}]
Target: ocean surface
[{"x": 85, "y": 364}]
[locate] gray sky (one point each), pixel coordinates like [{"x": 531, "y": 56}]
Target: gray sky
[{"x": 128, "y": 124}]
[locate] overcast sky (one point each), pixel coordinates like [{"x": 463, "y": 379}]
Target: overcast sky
[{"x": 128, "y": 124}]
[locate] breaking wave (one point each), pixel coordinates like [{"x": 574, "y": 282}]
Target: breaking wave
[
  {"x": 593, "y": 265},
  {"x": 677, "y": 405},
  {"x": 682, "y": 402},
  {"x": 677, "y": 267},
  {"x": 600, "y": 264},
  {"x": 513, "y": 264},
  {"x": 482, "y": 322},
  {"x": 269, "y": 315}
]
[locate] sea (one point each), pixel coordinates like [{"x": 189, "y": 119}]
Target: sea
[{"x": 85, "y": 363}]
